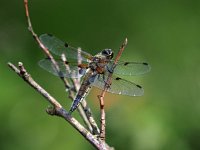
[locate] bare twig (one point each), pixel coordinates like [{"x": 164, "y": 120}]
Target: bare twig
[
  {"x": 88, "y": 119},
  {"x": 45, "y": 50},
  {"x": 102, "y": 95},
  {"x": 57, "y": 109},
  {"x": 96, "y": 130}
]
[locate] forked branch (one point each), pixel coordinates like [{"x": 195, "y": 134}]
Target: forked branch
[
  {"x": 57, "y": 109},
  {"x": 84, "y": 110}
]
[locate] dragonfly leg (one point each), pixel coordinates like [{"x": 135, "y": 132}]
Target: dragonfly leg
[{"x": 110, "y": 70}]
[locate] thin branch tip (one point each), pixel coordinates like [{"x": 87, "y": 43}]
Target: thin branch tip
[
  {"x": 9, "y": 63},
  {"x": 13, "y": 67},
  {"x": 126, "y": 41},
  {"x": 20, "y": 64}
]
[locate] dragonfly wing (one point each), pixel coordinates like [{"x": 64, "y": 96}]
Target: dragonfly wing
[
  {"x": 119, "y": 86},
  {"x": 130, "y": 68},
  {"x": 69, "y": 70},
  {"x": 59, "y": 47}
]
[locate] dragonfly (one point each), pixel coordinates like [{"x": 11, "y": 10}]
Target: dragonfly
[{"x": 94, "y": 70}]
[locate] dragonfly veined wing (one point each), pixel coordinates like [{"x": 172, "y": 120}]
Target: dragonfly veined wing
[
  {"x": 59, "y": 47},
  {"x": 130, "y": 68},
  {"x": 119, "y": 86},
  {"x": 69, "y": 70}
]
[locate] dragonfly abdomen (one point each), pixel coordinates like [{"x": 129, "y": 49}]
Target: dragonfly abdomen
[
  {"x": 84, "y": 89},
  {"x": 79, "y": 98}
]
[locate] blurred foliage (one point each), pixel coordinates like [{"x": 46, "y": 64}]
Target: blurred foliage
[{"x": 163, "y": 33}]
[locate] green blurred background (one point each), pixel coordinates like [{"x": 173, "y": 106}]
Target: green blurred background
[{"x": 164, "y": 33}]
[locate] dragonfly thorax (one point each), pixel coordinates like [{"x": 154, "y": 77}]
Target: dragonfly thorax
[{"x": 99, "y": 63}]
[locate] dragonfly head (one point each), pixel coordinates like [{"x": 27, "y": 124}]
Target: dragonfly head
[{"x": 107, "y": 53}]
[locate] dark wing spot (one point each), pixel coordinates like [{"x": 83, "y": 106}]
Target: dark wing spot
[
  {"x": 145, "y": 64},
  {"x": 66, "y": 45},
  {"x": 118, "y": 78},
  {"x": 139, "y": 86},
  {"x": 49, "y": 34},
  {"x": 126, "y": 63}
]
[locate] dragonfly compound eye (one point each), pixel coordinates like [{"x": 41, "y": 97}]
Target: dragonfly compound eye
[{"x": 108, "y": 53}]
